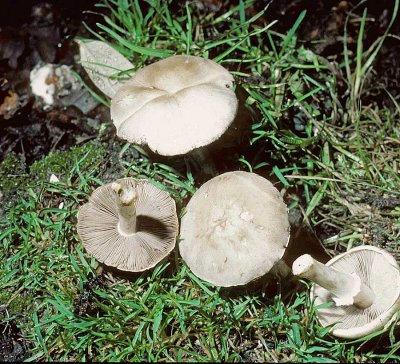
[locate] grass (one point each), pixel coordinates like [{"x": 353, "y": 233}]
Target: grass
[{"x": 336, "y": 160}]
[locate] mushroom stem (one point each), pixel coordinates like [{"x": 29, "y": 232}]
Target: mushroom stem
[
  {"x": 125, "y": 197},
  {"x": 347, "y": 289}
]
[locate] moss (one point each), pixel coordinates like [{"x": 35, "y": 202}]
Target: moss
[
  {"x": 16, "y": 179},
  {"x": 12, "y": 173},
  {"x": 63, "y": 163},
  {"x": 21, "y": 303}
]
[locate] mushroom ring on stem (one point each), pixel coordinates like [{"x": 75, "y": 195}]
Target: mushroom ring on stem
[
  {"x": 363, "y": 284},
  {"x": 175, "y": 105},
  {"x": 235, "y": 229},
  {"x": 129, "y": 224}
]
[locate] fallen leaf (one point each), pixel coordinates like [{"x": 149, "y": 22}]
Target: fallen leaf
[
  {"x": 10, "y": 105},
  {"x": 101, "y": 62}
]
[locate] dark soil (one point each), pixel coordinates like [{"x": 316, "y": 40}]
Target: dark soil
[
  {"x": 40, "y": 33},
  {"x": 84, "y": 302},
  {"x": 12, "y": 347}
]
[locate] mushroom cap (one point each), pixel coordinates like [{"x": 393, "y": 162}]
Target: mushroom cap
[
  {"x": 175, "y": 105},
  {"x": 157, "y": 227},
  {"x": 235, "y": 229},
  {"x": 380, "y": 272}
]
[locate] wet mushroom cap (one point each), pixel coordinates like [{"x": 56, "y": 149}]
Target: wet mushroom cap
[
  {"x": 380, "y": 272},
  {"x": 235, "y": 229},
  {"x": 175, "y": 105},
  {"x": 155, "y": 236}
]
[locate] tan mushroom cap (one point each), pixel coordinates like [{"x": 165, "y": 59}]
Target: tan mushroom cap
[
  {"x": 153, "y": 231},
  {"x": 379, "y": 271},
  {"x": 235, "y": 229},
  {"x": 175, "y": 105}
]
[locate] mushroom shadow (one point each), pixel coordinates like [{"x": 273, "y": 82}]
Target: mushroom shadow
[
  {"x": 153, "y": 226},
  {"x": 121, "y": 274},
  {"x": 169, "y": 272},
  {"x": 265, "y": 283},
  {"x": 149, "y": 225},
  {"x": 304, "y": 241}
]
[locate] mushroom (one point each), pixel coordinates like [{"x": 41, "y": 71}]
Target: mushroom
[
  {"x": 235, "y": 229},
  {"x": 129, "y": 224},
  {"x": 175, "y": 105},
  {"x": 363, "y": 284}
]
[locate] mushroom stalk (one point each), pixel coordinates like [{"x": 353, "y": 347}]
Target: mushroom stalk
[
  {"x": 347, "y": 289},
  {"x": 125, "y": 199}
]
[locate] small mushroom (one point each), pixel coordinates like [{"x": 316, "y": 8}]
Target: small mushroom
[
  {"x": 363, "y": 284},
  {"x": 175, "y": 105},
  {"x": 235, "y": 229},
  {"x": 129, "y": 224}
]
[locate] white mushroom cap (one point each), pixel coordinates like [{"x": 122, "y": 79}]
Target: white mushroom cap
[
  {"x": 129, "y": 224},
  {"x": 375, "y": 301},
  {"x": 235, "y": 229},
  {"x": 175, "y": 105}
]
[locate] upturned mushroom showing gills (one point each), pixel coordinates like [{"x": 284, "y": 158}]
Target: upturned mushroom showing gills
[
  {"x": 175, "y": 105},
  {"x": 363, "y": 286},
  {"x": 129, "y": 224},
  {"x": 235, "y": 229}
]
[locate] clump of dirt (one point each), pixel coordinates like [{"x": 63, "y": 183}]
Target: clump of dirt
[
  {"x": 84, "y": 303},
  {"x": 12, "y": 346}
]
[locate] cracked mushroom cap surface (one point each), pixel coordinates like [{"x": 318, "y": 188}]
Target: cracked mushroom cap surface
[
  {"x": 235, "y": 229},
  {"x": 380, "y": 272},
  {"x": 175, "y": 105},
  {"x": 157, "y": 227}
]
